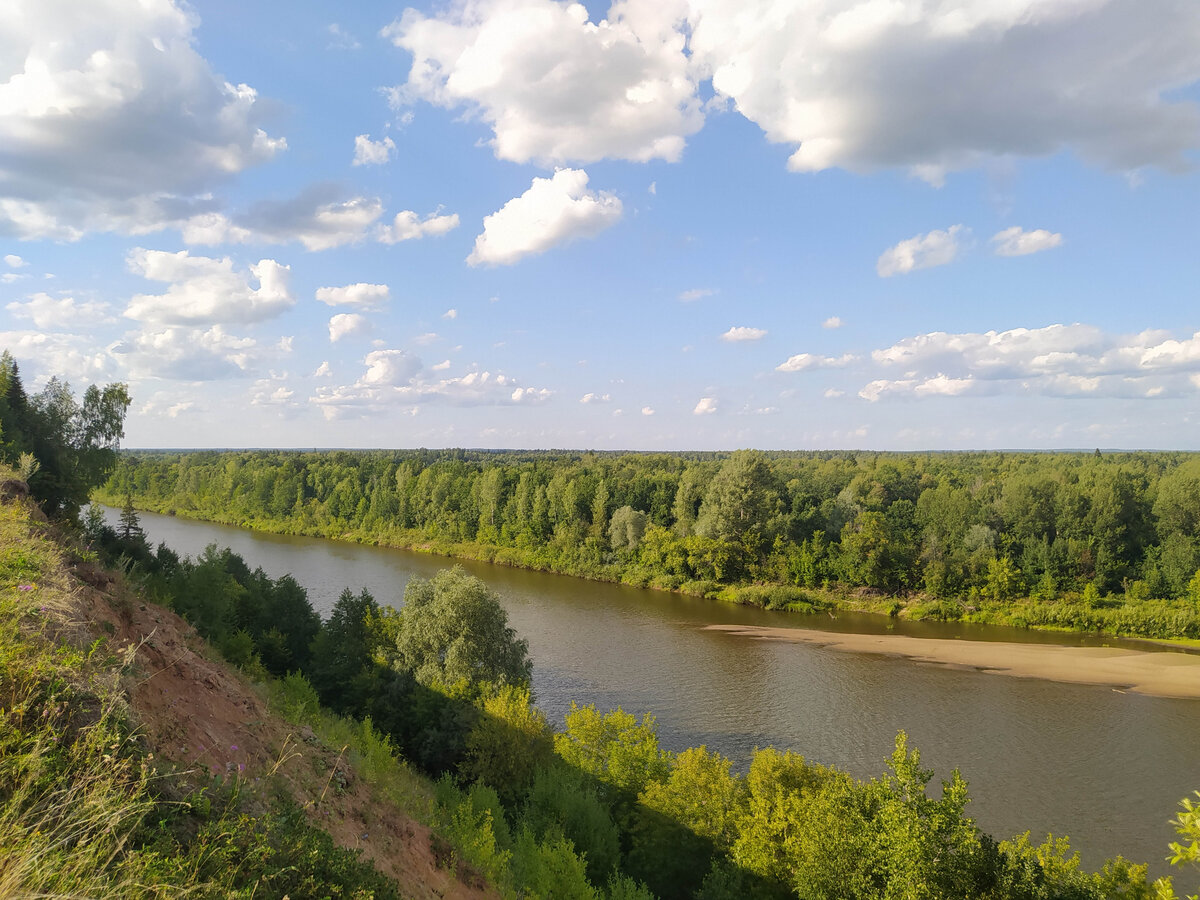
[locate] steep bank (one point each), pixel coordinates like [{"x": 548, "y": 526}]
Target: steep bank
[{"x": 139, "y": 722}]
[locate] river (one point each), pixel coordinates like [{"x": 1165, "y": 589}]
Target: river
[{"x": 1105, "y": 767}]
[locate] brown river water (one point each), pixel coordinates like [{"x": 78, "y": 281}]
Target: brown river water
[{"x": 1106, "y": 768}]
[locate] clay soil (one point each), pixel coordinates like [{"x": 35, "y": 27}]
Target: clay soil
[{"x": 201, "y": 717}]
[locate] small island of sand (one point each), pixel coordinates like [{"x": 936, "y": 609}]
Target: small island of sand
[{"x": 1155, "y": 673}]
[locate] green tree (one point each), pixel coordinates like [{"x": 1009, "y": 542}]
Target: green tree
[
  {"x": 74, "y": 443},
  {"x": 452, "y": 628}
]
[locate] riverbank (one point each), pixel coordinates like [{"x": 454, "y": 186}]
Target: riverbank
[{"x": 1153, "y": 673}]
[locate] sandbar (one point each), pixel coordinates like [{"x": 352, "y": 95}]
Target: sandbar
[{"x": 1155, "y": 673}]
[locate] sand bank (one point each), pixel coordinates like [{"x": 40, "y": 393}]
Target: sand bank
[{"x": 1159, "y": 674}]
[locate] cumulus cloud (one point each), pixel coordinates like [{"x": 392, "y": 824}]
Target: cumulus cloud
[
  {"x": 44, "y": 354},
  {"x": 832, "y": 322},
  {"x": 802, "y": 362},
  {"x": 361, "y": 295},
  {"x": 14, "y": 262},
  {"x": 741, "y": 333},
  {"x": 191, "y": 354},
  {"x": 553, "y": 211},
  {"x": 395, "y": 378},
  {"x": 595, "y": 398},
  {"x": 862, "y": 86},
  {"x": 408, "y": 226},
  {"x": 553, "y": 86},
  {"x": 320, "y": 217},
  {"x": 62, "y": 314},
  {"x": 450, "y": 314},
  {"x": 647, "y": 410},
  {"x": 1016, "y": 242},
  {"x": 345, "y": 325},
  {"x": 111, "y": 121},
  {"x": 1057, "y": 360},
  {"x": 206, "y": 290},
  {"x": 390, "y": 367},
  {"x": 921, "y": 252},
  {"x": 706, "y": 407},
  {"x": 859, "y": 86},
  {"x": 324, "y": 370},
  {"x": 372, "y": 153}
]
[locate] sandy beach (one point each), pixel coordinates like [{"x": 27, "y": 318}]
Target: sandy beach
[{"x": 1158, "y": 674}]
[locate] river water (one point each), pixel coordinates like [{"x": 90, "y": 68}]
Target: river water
[{"x": 1105, "y": 767}]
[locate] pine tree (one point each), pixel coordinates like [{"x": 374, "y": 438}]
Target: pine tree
[{"x": 131, "y": 527}]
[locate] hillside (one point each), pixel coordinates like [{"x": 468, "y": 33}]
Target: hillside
[{"x": 143, "y": 738}]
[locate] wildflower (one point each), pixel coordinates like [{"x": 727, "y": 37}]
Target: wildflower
[
  {"x": 233, "y": 747},
  {"x": 24, "y": 587}
]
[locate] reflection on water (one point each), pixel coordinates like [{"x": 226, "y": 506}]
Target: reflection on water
[{"x": 1107, "y": 768}]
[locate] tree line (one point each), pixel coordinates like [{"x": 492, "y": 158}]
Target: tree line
[{"x": 1078, "y": 540}]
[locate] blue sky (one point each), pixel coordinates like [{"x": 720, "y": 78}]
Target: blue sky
[{"x": 892, "y": 224}]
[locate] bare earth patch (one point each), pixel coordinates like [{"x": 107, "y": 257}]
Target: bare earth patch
[
  {"x": 1157, "y": 674},
  {"x": 198, "y": 714}
]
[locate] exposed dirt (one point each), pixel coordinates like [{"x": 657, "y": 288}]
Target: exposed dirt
[{"x": 198, "y": 714}]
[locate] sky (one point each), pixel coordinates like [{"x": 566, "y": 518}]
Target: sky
[{"x": 660, "y": 224}]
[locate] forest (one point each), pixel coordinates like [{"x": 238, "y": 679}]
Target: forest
[{"x": 1089, "y": 541}]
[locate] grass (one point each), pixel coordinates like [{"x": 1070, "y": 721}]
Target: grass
[{"x": 83, "y": 811}]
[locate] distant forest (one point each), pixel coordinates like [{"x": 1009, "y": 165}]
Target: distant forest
[{"x": 1098, "y": 542}]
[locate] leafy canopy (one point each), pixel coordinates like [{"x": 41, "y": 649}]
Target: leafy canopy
[{"x": 452, "y": 628}]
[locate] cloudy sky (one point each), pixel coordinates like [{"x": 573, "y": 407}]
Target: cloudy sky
[{"x": 893, "y": 224}]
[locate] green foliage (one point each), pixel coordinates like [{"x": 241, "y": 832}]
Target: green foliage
[
  {"x": 453, "y": 628},
  {"x": 562, "y": 801},
  {"x": 1187, "y": 826},
  {"x": 615, "y": 749},
  {"x": 509, "y": 742},
  {"x": 65, "y": 447}
]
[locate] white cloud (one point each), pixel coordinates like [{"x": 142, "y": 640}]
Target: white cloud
[
  {"x": 553, "y": 211},
  {"x": 863, "y": 86},
  {"x": 802, "y": 362},
  {"x": 647, "y": 410},
  {"x": 741, "y": 333},
  {"x": 696, "y": 294},
  {"x": 1057, "y": 360},
  {"x": 554, "y": 87},
  {"x": 345, "y": 325},
  {"x": 833, "y": 393},
  {"x": 361, "y": 295},
  {"x": 319, "y": 217},
  {"x": 111, "y": 121},
  {"x": 595, "y": 398},
  {"x": 340, "y": 39},
  {"x": 43, "y": 354},
  {"x": 191, "y": 354},
  {"x": 63, "y": 314},
  {"x": 921, "y": 252},
  {"x": 395, "y": 378},
  {"x": 324, "y": 370},
  {"x": 832, "y": 322},
  {"x": 450, "y": 314},
  {"x": 14, "y": 262},
  {"x": 706, "y": 407},
  {"x": 390, "y": 367},
  {"x": 372, "y": 153},
  {"x": 422, "y": 340},
  {"x": 440, "y": 367},
  {"x": 407, "y": 226},
  {"x": 206, "y": 290},
  {"x": 1015, "y": 242},
  {"x": 11, "y": 277}
]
